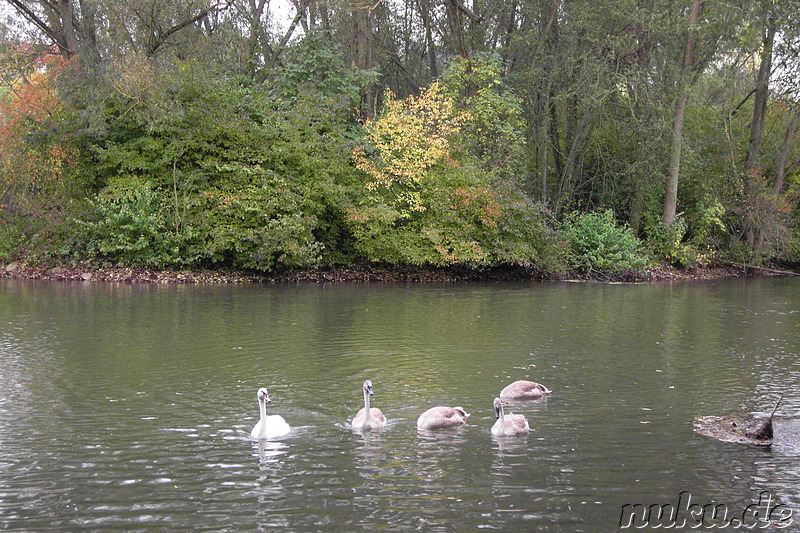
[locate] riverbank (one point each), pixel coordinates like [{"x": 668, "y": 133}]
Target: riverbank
[{"x": 87, "y": 272}]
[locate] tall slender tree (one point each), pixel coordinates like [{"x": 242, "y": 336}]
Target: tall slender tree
[{"x": 676, "y": 144}]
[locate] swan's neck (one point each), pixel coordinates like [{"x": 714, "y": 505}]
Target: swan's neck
[
  {"x": 262, "y": 408},
  {"x": 367, "y": 410},
  {"x": 502, "y": 415}
]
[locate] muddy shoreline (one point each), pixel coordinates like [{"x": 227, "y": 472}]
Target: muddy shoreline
[{"x": 87, "y": 272}]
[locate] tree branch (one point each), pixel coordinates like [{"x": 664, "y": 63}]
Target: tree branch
[
  {"x": 288, "y": 35},
  {"x": 467, "y": 11},
  {"x": 163, "y": 36},
  {"x": 31, "y": 17}
]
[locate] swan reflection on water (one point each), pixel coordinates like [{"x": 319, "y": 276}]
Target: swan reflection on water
[
  {"x": 434, "y": 437},
  {"x": 271, "y": 451}
]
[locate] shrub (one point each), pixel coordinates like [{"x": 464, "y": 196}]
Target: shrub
[
  {"x": 235, "y": 177},
  {"x": 666, "y": 242},
  {"x": 258, "y": 227},
  {"x": 597, "y": 242},
  {"x": 428, "y": 202},
  {"x": 10, "y": 237},
  {"x": 129, "y": 226}
]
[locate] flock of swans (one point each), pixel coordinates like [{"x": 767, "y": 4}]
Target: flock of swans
[{"x": 371, "y": 418}]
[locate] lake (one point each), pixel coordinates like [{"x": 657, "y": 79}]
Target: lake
[{"x": 129, "y": 407}]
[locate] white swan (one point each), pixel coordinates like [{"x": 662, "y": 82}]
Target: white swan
[
  {"x": 442, "y": 417},
  {"x": 508, "y": 425},
  {"x": 524, "y": 390},
  {"x": 268, "y": 427},
  {"x": 368, "y": 417}
]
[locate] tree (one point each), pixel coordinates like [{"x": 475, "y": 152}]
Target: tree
[
  {"x": 684, "y": 79},
  {"x": 37, "y": 179},
  {"x": 91, "y": 29},
  {"x": 428, "y": 201}
]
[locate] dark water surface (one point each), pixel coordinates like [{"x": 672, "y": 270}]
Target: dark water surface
[{"x": 129, "y": 407}]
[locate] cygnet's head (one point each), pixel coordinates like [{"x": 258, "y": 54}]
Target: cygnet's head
[
  {"x": 368, "y": 387},
  {"x": 263, "y": 395},
  {"x": 498, "y": 407},
  {"x": 461, "y": 411}
]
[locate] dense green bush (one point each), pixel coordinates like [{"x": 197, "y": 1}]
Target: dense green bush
[
  {"x": 234, "y": 176},
  {"x": 597, "y": 242},
  {"x": 427, "y": 200},
  {"x": 129, "y": 226},
  {"x": 261, "y": 226},
  {"x": 667, "y": 243},
  {"x": 9, "y": 241}
]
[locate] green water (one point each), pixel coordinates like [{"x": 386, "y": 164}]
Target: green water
[{"x": 129, "y": 407}]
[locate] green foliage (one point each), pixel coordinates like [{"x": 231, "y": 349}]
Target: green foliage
[
  {"x": 245, "y": 139},
  {"x": 597, "y": 242},
  {"x": 428, "y": 202},
  {"x": 130, "y": 227},
  {"x": 10, "y": 240},
  {"x": 260, "y": 226},
  {"x": 493, "y": 123},
  {"x": 235, "y": 177},
  {"x": 314, "y": 66},
  {"x": 707, "y": 220},
  {"x": 667, "y": 243}
]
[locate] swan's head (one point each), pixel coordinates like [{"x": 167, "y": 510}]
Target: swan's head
[
  {"x": 460, "y": 410},
  {"x": 263, "y": 395},
  {"x": 368, "y": 387},
  {"x": 498, "y": 407}
]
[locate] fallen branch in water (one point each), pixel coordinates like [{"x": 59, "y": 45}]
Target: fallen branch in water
[
  {"x": 765, "y": 431},
  {"x": 765, "y": 269}
]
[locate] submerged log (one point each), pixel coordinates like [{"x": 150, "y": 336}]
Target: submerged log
[{"x": 734, "y": 428}]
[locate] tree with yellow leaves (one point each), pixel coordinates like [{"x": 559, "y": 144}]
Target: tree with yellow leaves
[
  {"x": 410, "y": 139},
  {"x": 428, "y": 200}
]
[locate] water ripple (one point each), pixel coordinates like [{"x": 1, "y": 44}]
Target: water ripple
[{"x": 131, "y": 408}]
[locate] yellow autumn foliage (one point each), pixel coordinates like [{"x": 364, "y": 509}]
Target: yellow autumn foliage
[{"x": 410, "y": 137}]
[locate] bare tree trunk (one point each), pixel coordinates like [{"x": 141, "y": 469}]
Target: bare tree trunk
[
  {"x": 324, "y": 17},
  {"x": 671, "y": 196},
  {"x": 555, "y": 139},
  {"x": 89, "y": 14},
  {"x": 67, "y": 26},
  {"x": 512, "y": 24},
  {"x": 754, "y": 231},
  {"x": 424, "y": 12},
  {"x": 579, "y": 137},
  {"x": 542, "y": 152},
  {"x": 783, "y": 154},
  {"x": 256, "y": 35},
  {"x": 761, "y": 96},
  {"x": 364, "y": 18},
  {"x": 274, "y": 58},
  {"x": 456, "y": 14},
  {"x": 457, "y": 44}
]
